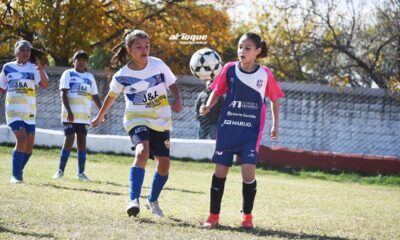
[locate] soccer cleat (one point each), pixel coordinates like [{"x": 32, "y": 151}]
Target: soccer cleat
[
  {"x": 212, "y": 221},
  {"x": 247, "y": 221},
  {"x": 155, "y": 209},
  {"x": 83, "y": 177},
  {"x": 58, "y": 174},
  {"x": 133, "y": 208},
  {"x": 15, "y": 180}
]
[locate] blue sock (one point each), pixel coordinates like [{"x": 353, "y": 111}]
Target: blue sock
[
  {"x": 64, "y": 155},
  {"x": 136, "y": 182},
  {"x": 157, "y": 185},
  {"x": 25, "y": 159},
  {"x": 81, "y": 161},
  {"x": 17, "y": 158}
]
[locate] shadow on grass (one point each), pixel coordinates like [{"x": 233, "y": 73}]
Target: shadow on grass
[
  {"x": 261, "y": 232},
  {"x": 27, "y": 234},
  {"x": 144, "y": 187},
  {"x": 82, "y": 190}
]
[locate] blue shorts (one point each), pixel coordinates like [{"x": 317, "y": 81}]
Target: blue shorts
[
  {"x": 19, "y": 125},
  {"x": 158, "y": 141},
  {"x": 72, "y": 128},
  {"x": 247, "y": 156}
]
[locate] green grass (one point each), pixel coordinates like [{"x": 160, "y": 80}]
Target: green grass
[{"x": 299, "y": 205}]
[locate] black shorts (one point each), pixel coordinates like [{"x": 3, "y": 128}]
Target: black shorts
[
  {"x": 72, "y": 128},
  {"x": 158, "y": 141}
]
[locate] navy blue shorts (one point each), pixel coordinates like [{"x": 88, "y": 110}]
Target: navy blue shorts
[
  {"x": 19, "y": 125},
  {"x": 72, "y": 128},
  {"x": 158, "y": 141},
  {"x": 247, "y": 156}
]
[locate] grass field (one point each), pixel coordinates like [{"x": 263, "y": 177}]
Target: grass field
[{"x": 305, "y": 205}]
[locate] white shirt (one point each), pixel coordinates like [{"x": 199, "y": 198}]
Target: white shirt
[
  {"x": 81, "y": 87},
  {"x": 145, "y": 93},
  {"x": 20, "y": 82}
]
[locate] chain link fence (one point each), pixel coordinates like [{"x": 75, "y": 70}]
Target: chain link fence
[{"x": 312, "y": 117}]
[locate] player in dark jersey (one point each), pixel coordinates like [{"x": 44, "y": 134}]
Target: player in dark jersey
[{"x": 246, "y": 85}]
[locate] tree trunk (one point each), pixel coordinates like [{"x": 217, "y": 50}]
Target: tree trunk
[{"x": 60, "y": 61}]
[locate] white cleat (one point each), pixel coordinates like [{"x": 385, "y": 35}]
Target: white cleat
[
  {"x": 14, "y": 180},
  {"x": 133, "y": 208},
  {"x": 58, "y": 174},
  {"x": 83, "y": 177},
  {"x": 155, "y": 209}
]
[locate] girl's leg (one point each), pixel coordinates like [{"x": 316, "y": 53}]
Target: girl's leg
[
  {"x": 30, "y": 139},
  {"x": 160, "y": 177},
  {"x": 249, "y": 191},
  {"x": 217, "y": 188},
  {"x": 81, "y": 144},
  {"x": 138, "y": 169},
  {"x": 65, "y": 152},
  {"x": 18, "y": 153}
]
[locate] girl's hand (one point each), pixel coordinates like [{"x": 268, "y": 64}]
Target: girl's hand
[
  {"x": 97, "y": 120},
  {"x": 70, "y": 117},
  {"x": 204, "y": 110},
  {"x": 274, "y": 133},
  {"x": 176, "y": 105}
]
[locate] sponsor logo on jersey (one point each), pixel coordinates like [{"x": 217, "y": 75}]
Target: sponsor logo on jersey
[{"x": 243, "y": 105}]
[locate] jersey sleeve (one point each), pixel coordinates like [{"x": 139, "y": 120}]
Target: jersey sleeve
[
  {"x": 3, "y": 80},
  {"x": 115, "y": 87},
  {"x": 273, "y": 91},
  {"x": 169, "y": 76},
  {"x": 220, "y": 84},
  {"x": 93, "y": 89},
  {"x": 64, "y": 80}
]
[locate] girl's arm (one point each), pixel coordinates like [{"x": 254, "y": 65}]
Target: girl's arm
[
  {"x": 177, "y": 103},
  {"x": 43, "y": 78},
  {"x": 210, "y": 103},
  {"x": 108, "y": 102},
  {"x": 64, "y": 97},
  {"x": 275, "y": 119}
]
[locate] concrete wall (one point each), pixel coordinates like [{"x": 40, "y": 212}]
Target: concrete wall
[{"x": 312, "y": 117}]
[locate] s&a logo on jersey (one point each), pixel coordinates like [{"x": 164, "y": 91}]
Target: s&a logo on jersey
[{"x": 167, "y": 143}]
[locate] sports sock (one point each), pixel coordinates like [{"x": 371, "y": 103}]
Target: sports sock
[
  {"x": 249, "y": 191},
  {"x": 64, "y": 155},
  {"x": 81, "y": 161},
  {"x": 16, "y": 164},
  {"x": 216, "y": 193},
  {"x": 156, "y": 186},
  {"x": 136, "y": 181}
]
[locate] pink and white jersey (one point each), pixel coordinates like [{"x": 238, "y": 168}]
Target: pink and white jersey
[{"x": 242, "y": 119}]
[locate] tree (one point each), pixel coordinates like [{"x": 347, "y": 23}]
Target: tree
[{"x": 62, "y": 27}]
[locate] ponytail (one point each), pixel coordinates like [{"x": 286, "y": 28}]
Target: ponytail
[
  {"x": 38, "y": 55},
  {"x": 264, "y": 50},
  {"x": 120, "y": 56}
]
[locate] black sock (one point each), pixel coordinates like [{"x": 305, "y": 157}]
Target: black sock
[
  {"x": 216, "y": 192},
  {"x": 249, "y": 193}
]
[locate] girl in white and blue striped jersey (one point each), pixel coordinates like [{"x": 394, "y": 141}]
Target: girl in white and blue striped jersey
[
  {"x": 19, "y": 79},
  {"x": 144, "y": 80},
  {"x": 78, "y": 88}
]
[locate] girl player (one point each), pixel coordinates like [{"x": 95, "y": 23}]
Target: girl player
[
  {"x": 19, "y": 79},
  {"x": 144, "y": 82},
  {"x": 246, "y": 84},
  {"x": 77, "y": 87}
]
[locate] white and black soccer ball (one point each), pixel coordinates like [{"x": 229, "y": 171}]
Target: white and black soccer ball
[{"x": 205, "y": 64}]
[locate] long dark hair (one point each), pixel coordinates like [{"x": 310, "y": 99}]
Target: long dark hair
[
  {"x": 259, "y": 42},
  {"x": 38, "y": 55},
  {"x": 120, "y": 53}
]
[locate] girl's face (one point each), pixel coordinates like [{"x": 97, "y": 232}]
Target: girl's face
[
  {"x": 23, "y": 55},
  {"x": 247, "y": 50},
  {"x": 139, "y": 50},
  {"x": 80, "y": 64}
]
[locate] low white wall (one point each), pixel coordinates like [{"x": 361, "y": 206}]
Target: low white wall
[{"x": 180, "y": 148}]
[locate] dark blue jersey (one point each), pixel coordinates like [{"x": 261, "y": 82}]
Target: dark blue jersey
[{"x": 243, "y": 115}]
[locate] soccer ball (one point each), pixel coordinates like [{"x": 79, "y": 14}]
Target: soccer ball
[{"x": 205, "y": 64}]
